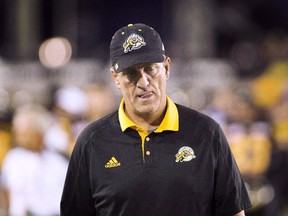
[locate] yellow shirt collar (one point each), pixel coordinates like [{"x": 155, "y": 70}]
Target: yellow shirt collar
[{"x": 170, "y": 121}]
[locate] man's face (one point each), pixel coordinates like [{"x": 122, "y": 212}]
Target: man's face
[
  {"x": 144, "y": 87},
  {"x": 25, "y": 134}
]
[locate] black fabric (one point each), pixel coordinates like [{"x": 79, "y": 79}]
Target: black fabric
[
  {"x": 155, "y": 185},
  {"x": 150, "y": 49}
]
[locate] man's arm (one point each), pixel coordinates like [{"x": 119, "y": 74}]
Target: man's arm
[
  {"x": 76, "y": 197},
  {"x": 242, "y": 213}
]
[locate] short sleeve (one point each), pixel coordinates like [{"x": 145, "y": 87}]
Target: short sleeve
[
  {"x": 231, "y": 195},
  {"x": 76, "y": 196}
]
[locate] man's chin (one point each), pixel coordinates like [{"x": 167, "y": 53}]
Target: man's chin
[{"x": 148, "y": 109}]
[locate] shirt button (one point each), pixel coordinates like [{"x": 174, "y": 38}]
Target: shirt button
[
  {"x": 148, "y": 153},
  {"x": 147, "y": 139}
]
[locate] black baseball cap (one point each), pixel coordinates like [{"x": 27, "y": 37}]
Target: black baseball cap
[{"x": 134, "y": 44}]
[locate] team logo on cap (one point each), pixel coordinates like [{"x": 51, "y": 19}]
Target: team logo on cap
[
  {"x": 133, "y": 42},
  {"x": 185, "y": 154}
]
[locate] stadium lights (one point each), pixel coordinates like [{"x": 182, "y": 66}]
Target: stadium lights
[{"x": 55, "y": 52}]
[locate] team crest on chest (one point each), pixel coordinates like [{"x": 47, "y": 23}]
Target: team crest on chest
[
  {"x": 133, "y": 42},
  {"x": 185, "y": 154}
]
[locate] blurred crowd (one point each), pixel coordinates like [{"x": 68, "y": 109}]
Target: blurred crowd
[
  {"x": 36, "y": 139},
  {"x": 36, "y": 143}
]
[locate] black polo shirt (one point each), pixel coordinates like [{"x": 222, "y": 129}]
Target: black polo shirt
[{"x": 183, "y": 168}]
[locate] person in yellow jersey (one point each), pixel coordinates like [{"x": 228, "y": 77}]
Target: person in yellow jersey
[{"x": 151, "y": 156}]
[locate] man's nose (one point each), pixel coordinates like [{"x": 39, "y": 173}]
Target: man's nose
[{"x": 143, "y": 79}]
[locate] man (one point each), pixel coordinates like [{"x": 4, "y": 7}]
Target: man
[
  {"x": 151, "y": 157},
  {"x": 32, "y": 174}
]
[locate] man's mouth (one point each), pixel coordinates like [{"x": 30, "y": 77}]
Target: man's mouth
[{"x": 145, "y": 95}]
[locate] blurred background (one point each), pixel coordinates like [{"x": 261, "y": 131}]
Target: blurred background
[{"x": 229, "y": 60}]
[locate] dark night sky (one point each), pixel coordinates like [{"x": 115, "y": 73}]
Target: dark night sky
[{"x": 99, "y": 19}]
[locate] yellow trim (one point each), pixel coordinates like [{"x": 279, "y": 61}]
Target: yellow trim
[
  {"x": 169, "y": 122},
  {"x": 125, "y": 122},
  {"x": 171, "y": 118}
]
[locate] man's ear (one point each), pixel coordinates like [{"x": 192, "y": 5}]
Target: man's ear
[
  {"x": 115, "y": 77},
  {"x": 167, "y": 63}
]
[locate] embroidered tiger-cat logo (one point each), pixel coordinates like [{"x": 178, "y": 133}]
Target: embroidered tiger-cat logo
[{"x": 133, "y": 42}]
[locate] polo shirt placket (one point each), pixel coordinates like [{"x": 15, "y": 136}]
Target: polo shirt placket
[{"x": 169, "y": 123}]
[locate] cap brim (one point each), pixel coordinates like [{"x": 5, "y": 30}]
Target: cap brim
[{"x": 127, "y": 61}]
